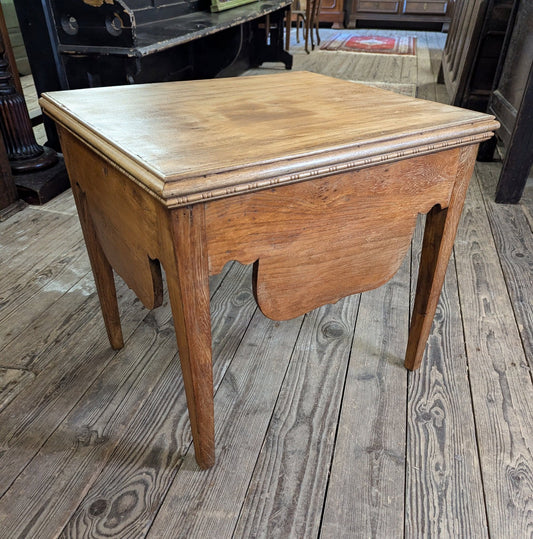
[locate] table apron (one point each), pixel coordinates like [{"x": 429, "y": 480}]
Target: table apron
[{"x": 317, "y": 241}]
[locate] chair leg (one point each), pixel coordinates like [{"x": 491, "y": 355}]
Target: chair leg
[
  {"x": 317, "y": 20},
  {"x": 308, "y": 16}
]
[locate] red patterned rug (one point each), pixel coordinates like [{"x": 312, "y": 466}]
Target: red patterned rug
[{"x": 372, "y": 44}]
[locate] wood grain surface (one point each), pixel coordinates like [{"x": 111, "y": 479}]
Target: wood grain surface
[
  {"x": 281, "y": 126},
  {"x": 443, "y": 487},
  {"x": 439, "y": 235},
  {"x": 499, "y": 376},
  {"x": 290, "y": 479},
  {"x": 365, "y": 218},
  {"x": 366, "y": 497},
  {"x": 197, "y": 504},
  {"x": 142, "y": 468},
  {"x": 102, "y": 464},
  {"x": 515, "y": 250}
]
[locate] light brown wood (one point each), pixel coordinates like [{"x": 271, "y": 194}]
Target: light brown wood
[
  {"x": 188, "y": 284},
  {"x": 121, "y": 492},
  {"x": 441, "y": 226},
  {"x": 123, "y": 236},
  {"x": 102, "y": 271},
  {"x": 355, "y": 214},
  {"x": 329, "y": 204},
  {"x": 280, "y": 125}
]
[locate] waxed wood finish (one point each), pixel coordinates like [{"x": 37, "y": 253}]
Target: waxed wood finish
[
  {"x": 127, "y": 233},
  {"x": 346, "y": 212},
  {"x": 134, "y": 237},
  {"x": 338, "y": 221},
  {"x": 97, "y": 443},
  {"x": 281, "y": 127},
  {"x": 441, "y": 226}
]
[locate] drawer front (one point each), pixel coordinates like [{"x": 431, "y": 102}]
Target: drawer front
[
  {"x": 425, "y": 8},
  {"x": 377, "y": 7}
]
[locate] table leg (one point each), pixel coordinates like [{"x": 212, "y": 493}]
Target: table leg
[
  {"x": 188, "y": 286},
  {"x": 102, "y": 271},
  {"x": 439, "y": 235}
]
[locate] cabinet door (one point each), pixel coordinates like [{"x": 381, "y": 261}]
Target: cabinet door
[{"x": 332, "y": 11}]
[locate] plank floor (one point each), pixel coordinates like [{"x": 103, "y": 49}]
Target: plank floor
[{"x": 320, "y": 431}]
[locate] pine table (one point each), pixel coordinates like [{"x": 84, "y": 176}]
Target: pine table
[{"x": 314, "y": 180}]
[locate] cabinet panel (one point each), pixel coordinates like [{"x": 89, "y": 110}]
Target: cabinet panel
[
  {"x": 429, "y": 8},
  {"x": 332, "y": 11},
  {"x": 402, "y": 12},
  {"x": 378, "y": 7},
  {"x": 472, "y": 50}
]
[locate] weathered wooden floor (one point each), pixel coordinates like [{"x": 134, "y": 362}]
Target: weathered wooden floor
[{"x": 320, "y": 430}]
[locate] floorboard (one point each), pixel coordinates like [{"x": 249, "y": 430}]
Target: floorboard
[
  {"x": 500, "y": 380},
  {"x": 208, "y": 504},
  {"x": 365, "y": 496},
  {"x": 144, "y": 465},
  {"x": 288, "y": 486},
  {"x": 515, "y": 251},
  {"x": 444, "y": 493},
  {"x": 320, "y": 431}
]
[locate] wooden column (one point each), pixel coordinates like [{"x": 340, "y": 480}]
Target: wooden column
[
  {"x": 9, "y": 202},
  {"x": 22, "y": 149},
  {"x": 27, "y": 158}
]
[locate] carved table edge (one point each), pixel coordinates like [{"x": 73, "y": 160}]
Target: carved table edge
[
  {"x": 277, "y": 180},
  {"x": 187, "y": 190}
]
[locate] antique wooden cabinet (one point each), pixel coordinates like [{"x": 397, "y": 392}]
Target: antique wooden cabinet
[
  {"x": 400, "y": 11},
  {"x": 333, "y": 11}
]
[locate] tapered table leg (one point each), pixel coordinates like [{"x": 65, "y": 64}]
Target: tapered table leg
[
  {"x": 439, "y": 235},
  {"x": 102, "y": 271},
  {"x": 188, "y": 286}
]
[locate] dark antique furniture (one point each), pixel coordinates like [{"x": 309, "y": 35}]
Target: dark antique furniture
[
  {"x": 245, "y": 169},
  {"x": 473, "y": 48},
  {"x": 88, "y": 43},
  {"x": 38, "y": 172},
  {"x": 400, "y": 12},
  {"x": 512, "y": 103}
]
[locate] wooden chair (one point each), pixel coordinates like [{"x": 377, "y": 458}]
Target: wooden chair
[{"x": 309, "y": 18}]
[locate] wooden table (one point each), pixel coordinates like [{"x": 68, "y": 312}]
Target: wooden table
[{"x": 314, "y": 180}]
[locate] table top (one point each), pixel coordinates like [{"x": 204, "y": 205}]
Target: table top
[{"x": 190, "y": 141}]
